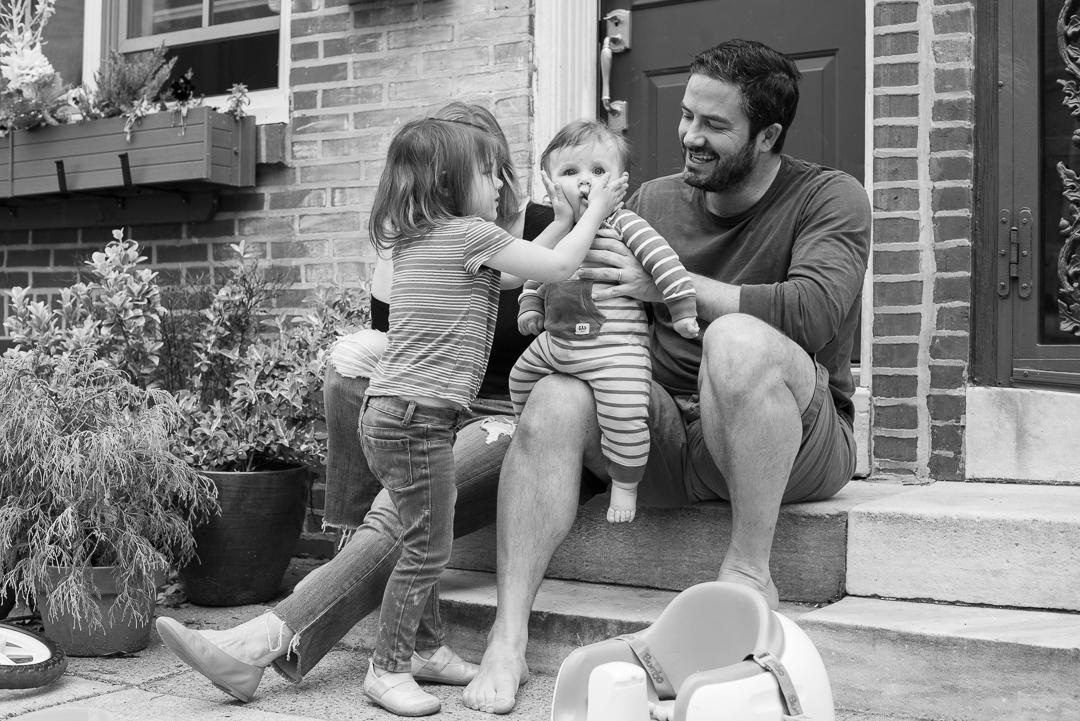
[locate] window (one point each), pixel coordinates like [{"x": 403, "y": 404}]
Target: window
[
  {"x": 64, "y": 41},
  {"x": 222, "y": 41}
]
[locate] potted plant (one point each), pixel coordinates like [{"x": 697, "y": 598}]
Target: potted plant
[
  {"x": 253, "y": 423},
  {"x": 96, "y": 506},
  {"x": 248, "y": 382}
]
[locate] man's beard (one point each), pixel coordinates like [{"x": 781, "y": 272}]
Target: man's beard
[{"x": 728, "y": 171}]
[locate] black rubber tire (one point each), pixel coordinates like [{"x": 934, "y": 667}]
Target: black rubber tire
[{"x": 34, "y": 675}]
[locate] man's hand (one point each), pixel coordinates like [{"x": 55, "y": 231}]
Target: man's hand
[
  {"x": 610, "y": 261},
  {"x": 686, "y": 327},
  {"x": 531, "y": 322}
]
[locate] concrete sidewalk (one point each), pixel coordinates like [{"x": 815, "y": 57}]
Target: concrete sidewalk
[{"x": 154, "y": 685}]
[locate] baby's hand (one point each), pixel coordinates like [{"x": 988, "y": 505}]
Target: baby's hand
[
  {"x": 531, "y": 322},
  {"x": 607, "y": 192},
  {"x": 687, "y": 327}
]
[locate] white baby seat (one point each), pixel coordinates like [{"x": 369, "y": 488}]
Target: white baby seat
[{"x": 719, "y": 653}]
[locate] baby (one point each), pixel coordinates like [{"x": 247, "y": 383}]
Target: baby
[{"x": 604, "y": 343}]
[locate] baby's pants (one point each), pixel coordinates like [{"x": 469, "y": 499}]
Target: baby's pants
[{"x": 619, "y": 375}]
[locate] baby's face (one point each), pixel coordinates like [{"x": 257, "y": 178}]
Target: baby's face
[{"x": 575, "y": 168}]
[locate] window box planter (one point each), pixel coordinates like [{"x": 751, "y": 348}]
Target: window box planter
[{"x": 212, "y": 149}]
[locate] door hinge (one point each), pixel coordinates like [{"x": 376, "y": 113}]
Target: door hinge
[{"x": 1014, "y": 252}]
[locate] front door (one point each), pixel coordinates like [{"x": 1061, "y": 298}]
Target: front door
[
  {"x": 825, "y": 39},
  {"x": 1037, "y": 241}
]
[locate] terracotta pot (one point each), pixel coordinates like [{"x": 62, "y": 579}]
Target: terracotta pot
[
  {"x": 243, "y": 553},
  {"x": 119, "y": 635}
]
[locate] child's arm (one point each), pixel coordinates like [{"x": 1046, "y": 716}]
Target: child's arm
[
  {"x": 556, "y": 229},
  {"x": 532, "y": 260},
  {"x": 667, "y": 271}
]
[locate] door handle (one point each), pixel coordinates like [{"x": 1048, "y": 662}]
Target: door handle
[{"x": 616, "y": 40}]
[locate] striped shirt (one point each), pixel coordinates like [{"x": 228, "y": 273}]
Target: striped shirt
[
  {"x": 443, "y": 306},
  {"x": 654, "y": 254}
]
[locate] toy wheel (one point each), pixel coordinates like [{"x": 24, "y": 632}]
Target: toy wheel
[{"x": 27, "y": 659}]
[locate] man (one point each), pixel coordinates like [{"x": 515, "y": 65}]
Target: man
[{"x": 758, "y": 410}]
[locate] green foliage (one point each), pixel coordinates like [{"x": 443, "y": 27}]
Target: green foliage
[
  {"x": 116, "y": 316},
  {"x": 249, "y": 380},
  {"x": 126, "y": 81},
  {"x": 255, "y": 397},
  {"x": 88, "y": 480}
]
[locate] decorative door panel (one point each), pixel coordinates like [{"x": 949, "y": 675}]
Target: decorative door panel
[{"x": 1038, "y": 228}]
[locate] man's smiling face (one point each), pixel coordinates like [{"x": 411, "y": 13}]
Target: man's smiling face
[
  {"x": 577, "y": 167},
  {"x": 718, "y": 152}
]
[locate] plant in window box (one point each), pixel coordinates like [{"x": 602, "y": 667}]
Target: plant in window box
[
  {"x": 32, "y": 93},
  {"x": 134, "y": 128},
  {"x": 96, "y": 506}
]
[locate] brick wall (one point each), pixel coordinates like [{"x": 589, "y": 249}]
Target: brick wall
[
  {"x": 923, "y": 170},
  {"x": 359, "y": 69}
]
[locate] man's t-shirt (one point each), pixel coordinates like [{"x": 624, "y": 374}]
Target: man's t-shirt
[{"x": 799, "y": 255}]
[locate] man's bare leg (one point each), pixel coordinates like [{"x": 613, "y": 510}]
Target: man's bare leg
[
  {"x": 755, "y": 383},
  {"x": 539, "y": 490}
]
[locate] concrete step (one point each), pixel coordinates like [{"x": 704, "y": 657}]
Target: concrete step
[
  {"x": 892, "y": 660},
  {"x": 955, "y": 663},
  {"x": 976, "y": 543},
  {"x": 674, "y": 548}
]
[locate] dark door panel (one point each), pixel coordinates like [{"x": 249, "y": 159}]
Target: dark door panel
[{"x": 826, "y": 40}]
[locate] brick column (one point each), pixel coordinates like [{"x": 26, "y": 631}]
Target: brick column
[{"x": 923, "y": 119}]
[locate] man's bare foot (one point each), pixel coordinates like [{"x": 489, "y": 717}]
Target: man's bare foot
[
  {"x": 767, "y": 589},
  {"x": 502, "y": 671}
]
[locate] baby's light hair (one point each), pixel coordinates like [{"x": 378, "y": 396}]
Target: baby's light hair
[
  {"x": 580, "y": 132},
  {"x": 428, "y": 177}
]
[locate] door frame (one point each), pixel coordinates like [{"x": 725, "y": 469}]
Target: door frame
[{"x": 565, "y": 89}]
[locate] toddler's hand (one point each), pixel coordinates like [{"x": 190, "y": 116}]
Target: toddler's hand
[
  {"x": 531, "y": 322},
  {"x": 686, "y": 327},
  {"x": 607, "y": 193},
  {"x": 564, "y": 214}
]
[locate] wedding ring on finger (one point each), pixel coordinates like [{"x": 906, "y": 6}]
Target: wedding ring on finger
[{"x": 618, "y": 278}]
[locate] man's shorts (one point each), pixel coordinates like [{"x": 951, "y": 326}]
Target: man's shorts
[{"x": 681, "y": 471}]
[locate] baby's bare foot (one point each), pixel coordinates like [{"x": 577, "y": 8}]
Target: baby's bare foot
[{"x": 623, "y": 505}]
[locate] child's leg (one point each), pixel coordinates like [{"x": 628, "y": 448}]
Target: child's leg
[
  {"x": 409, "y": 448},
  {"x": 621, "y": 388}
]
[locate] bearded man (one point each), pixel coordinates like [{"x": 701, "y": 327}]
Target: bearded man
[{"x": 756, "y": 411}]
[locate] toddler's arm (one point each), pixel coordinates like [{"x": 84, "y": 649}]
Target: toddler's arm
[{"x": 531, "y": 260}]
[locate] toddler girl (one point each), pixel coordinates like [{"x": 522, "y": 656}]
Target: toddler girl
[{"x": 434, "y": 211}]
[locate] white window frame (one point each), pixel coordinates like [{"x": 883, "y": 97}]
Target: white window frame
[{"x": 101, "y": 33}]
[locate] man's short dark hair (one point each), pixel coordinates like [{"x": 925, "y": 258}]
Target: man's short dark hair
[{"x": 768, "y": 81}]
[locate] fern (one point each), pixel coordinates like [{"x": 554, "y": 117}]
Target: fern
[{"x": 124, "y": 80}]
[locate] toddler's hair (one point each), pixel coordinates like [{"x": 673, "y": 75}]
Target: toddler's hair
[
  {"x": 580, "y": 132},
  {"x": 428, "y": 177},
  {"x": 510, "y": 195}
]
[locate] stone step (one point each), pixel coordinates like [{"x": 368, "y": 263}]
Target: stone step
[
  {"x": 674, "y": 548},
  {"x": 954, "y": 663},
  {"x": 893, "y": 660},
  {"x": 976, "y": 543}
]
